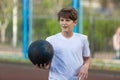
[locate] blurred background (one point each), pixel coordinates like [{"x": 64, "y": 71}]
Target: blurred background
[
  {"x": 99, "y": 21},
  {"x": 23, "y": 21}
]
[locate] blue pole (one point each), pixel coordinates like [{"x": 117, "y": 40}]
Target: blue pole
[
  {"x": 80, "y": 16},
  {"x": 25, "y": 27},
  {"x": 75, "y": 4},
  {"x": 30, "y": 21}
]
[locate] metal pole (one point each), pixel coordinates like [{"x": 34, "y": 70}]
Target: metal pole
[
  {"x": 25, "y": 27},
  {"x": 30, "y": 21},
  {"x": 75, "y": 4},
  {"x": 92, "y": 36},
  {"x": 15, "y": 12},
  {"x": 80, "y": 16}
]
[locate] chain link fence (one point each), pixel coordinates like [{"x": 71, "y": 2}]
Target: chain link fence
[{"x": 99, "y": 29}]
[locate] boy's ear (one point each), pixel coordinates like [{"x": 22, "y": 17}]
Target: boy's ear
[{"x": 75, "y": 22}]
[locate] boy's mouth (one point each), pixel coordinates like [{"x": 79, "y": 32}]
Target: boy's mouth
[{"x": 64, "y": 26}]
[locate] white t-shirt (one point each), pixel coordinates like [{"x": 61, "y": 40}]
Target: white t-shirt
[{"x": 68, "y": 55}]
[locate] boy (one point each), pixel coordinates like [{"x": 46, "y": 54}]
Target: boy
[{"x": 71, "y": 50}]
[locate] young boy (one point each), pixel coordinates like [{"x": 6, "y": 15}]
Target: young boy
[{"x": 71, "y": 50}]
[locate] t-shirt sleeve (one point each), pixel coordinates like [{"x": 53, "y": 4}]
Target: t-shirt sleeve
[
  {"x": 49, "y": 39},
  {"x": 86, "y": 49}
]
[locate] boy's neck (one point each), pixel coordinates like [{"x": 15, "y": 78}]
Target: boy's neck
[{"x": 67, "y": 34}]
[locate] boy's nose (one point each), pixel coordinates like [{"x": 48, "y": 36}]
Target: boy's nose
[{"x": 64, "y": 22}]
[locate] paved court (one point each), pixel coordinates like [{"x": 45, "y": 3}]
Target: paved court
[{"x": 15, "y": 71}]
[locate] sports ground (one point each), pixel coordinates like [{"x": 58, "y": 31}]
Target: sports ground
[{"x": 23, "y": 71}]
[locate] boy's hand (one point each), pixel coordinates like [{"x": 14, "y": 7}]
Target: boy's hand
[
  {"x": 83, "y": 72},
  {"x": 43, "y": 66}
]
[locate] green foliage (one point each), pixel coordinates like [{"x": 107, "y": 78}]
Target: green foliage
[
  {"x": 86, "y": 26},
  {"x": 45, "y": 27},
  {"x": 53, "y": 26},
  {"x": 45, "y": 23},
  {"x": 104, "y": 29},
  {"x": 49, "y": 7},
  {"x": 9, "y": 32}
]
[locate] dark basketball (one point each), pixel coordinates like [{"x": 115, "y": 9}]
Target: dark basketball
[{"x": 40, "y": 52}]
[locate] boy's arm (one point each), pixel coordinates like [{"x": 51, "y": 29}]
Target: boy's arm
[
  {"x": 86, "y": 61},
  {"x": 83, "y": 72}
]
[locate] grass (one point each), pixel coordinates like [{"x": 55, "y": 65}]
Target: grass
[
  {"x": 105, "y": 64},
  {"x": 95, "y": 63},
  {"x": 14, "y": 59}
]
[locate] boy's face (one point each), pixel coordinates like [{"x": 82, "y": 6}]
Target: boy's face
[{"x": 67, "y": 24}]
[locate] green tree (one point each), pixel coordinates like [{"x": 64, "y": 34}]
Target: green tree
[{"x": 5, "y": 11}]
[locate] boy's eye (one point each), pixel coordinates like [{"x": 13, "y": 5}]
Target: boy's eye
[
  {"x": 61, "y": 20},
  {"x": 67, "y": 19}
]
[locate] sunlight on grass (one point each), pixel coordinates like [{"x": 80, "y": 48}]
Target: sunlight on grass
[{"x": 105, "y": 64}]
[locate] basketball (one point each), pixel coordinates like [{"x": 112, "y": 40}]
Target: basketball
[{"x": 40, "y": 52}]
